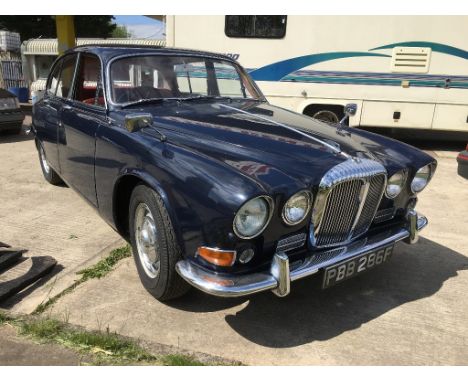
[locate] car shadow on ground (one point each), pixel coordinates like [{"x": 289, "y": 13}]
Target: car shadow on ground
[{"x": 310, "y": 314}]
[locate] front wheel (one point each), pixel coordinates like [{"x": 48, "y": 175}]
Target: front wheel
[
  {"x": 49, "y": 173},
  {"x": 154, "y": 245}
]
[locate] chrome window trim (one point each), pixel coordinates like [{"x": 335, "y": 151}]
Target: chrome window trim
[{"x": 109, "y": 63}]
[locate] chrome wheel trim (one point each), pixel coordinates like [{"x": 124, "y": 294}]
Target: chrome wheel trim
[
  {"x": 45, "y": 165},
  {"x": 145, "y": 237},
  {"x": 326, "y": 116}
]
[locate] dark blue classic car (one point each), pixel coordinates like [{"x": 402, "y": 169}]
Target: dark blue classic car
[{"x": 180, "y": 152}]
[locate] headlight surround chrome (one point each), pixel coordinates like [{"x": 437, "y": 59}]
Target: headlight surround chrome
[
  {"x": 421, "y": 178},
  {"x": 395, "y": 184},
  {"x": 297, "y": 207},
  {"x": 253, "y": 217}
]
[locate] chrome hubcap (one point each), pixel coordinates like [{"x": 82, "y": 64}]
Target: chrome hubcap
[
  {"x": 44, "y": 160},
  {"x": 145, "y": 235}
]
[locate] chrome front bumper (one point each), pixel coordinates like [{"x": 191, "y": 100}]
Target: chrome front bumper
[{"x": 282, "y": 272}]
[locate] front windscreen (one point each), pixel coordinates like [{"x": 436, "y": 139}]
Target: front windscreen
[{"x": 161, "y": 76}]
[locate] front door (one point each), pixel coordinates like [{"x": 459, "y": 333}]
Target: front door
[{"x": 81, "y": 117}]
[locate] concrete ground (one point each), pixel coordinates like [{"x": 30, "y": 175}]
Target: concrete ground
[
  {"x": 20, "y": 351},
  {"x": 410, "y": 311},
  {"x": 46, "y": 220}
]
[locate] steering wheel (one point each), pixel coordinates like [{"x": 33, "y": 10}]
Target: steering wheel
[{"x": 146, "y": 92}]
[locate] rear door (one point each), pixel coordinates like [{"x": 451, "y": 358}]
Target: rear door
[{"x": 81, "y": 117}]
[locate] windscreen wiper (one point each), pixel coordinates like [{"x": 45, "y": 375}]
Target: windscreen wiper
[
  {"x": 202, "y": 97},
  {"x": 145, "y": 101}
]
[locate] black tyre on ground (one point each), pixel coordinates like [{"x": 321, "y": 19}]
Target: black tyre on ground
[
  {"x": 49, "y": 173},
  {"x": 154, "y": 245}
]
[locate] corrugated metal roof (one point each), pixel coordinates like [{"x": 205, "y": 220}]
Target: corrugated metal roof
[{"x": 49, "y": 46}]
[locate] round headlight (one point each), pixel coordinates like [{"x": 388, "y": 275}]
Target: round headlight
[
  {"x": 395, "y": 185},
  {"x": 421, "y": 179},
  {"x": 253, "y": 217},
  {"x": 297, "y": 207}
]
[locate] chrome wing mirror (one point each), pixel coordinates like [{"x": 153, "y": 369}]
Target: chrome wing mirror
[
  {"x": 349, "y": 110},
  {"x": 134, "y": 122}
]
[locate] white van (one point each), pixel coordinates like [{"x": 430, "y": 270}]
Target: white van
[{"x": 400, "y": 71}]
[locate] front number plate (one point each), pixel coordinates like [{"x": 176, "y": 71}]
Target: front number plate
[{"x": 356, "y": 265}]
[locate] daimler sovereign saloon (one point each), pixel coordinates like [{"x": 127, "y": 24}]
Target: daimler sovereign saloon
[{"x": 180, "y": 152}]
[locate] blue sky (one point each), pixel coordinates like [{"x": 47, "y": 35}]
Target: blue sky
[{"x": 141, "y": 26}]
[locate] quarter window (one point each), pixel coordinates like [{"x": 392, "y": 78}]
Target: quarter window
[
  {"x": 255, "y": 26},
  {"x": 53, "y": 80},
  {"x": 66, "y": 76}
]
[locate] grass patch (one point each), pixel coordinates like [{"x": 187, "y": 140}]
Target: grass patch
[
  {"x": 102, "y": 348},
  {"x": 3, "y": 318},
  {"x": 104, "y": 266},
  {"x": 99, "y": 270}
]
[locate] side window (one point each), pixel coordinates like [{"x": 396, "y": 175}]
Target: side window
[
  {"x": 88, "y": 87},
  {"x": 66, "y": 76},
  {"x": 53, "y": 80},
  {"x": 192, "y": 78},
  {"x": 255, "y": 26}
]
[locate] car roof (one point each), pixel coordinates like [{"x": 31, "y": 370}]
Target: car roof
[{"x": 114, "y": 50}]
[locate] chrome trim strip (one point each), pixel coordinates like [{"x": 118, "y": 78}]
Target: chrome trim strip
[
  {"x": 278, "y": 279},
  {"x": 289, "y": 243}
]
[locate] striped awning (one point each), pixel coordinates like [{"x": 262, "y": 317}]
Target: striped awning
[{"x": 49, "y": 46}]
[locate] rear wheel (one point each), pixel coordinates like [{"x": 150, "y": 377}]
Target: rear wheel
[
  {"x": 49, "y": 173},
  {"x": 154, "y": 245}
]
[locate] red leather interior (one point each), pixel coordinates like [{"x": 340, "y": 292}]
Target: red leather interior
[{"x": 90, "y": 101}]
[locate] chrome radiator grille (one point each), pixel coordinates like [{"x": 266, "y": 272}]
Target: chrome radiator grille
[
  {"x": 374, "y": 195},
  {"x": 348, "y": 199}
]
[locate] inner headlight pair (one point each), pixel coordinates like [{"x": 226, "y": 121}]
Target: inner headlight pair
[
  {"x": 397, "y": 181},
  {"x": 253, "y": 217}
]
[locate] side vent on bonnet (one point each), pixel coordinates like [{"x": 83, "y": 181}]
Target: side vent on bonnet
[{"x": 410, "y": 59}]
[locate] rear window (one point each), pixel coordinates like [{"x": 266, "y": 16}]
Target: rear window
[{"x": 255, "y": 26}]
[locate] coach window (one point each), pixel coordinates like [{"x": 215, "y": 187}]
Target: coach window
[{"x": 255, "y": 26}]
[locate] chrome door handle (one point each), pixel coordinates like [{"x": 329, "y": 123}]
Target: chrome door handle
[{"x": 66, "y": 107}]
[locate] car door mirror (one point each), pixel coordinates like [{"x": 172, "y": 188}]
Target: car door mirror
[
  {"x": 134, "y": 122},
  {"x": 350, "y": 109}
]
